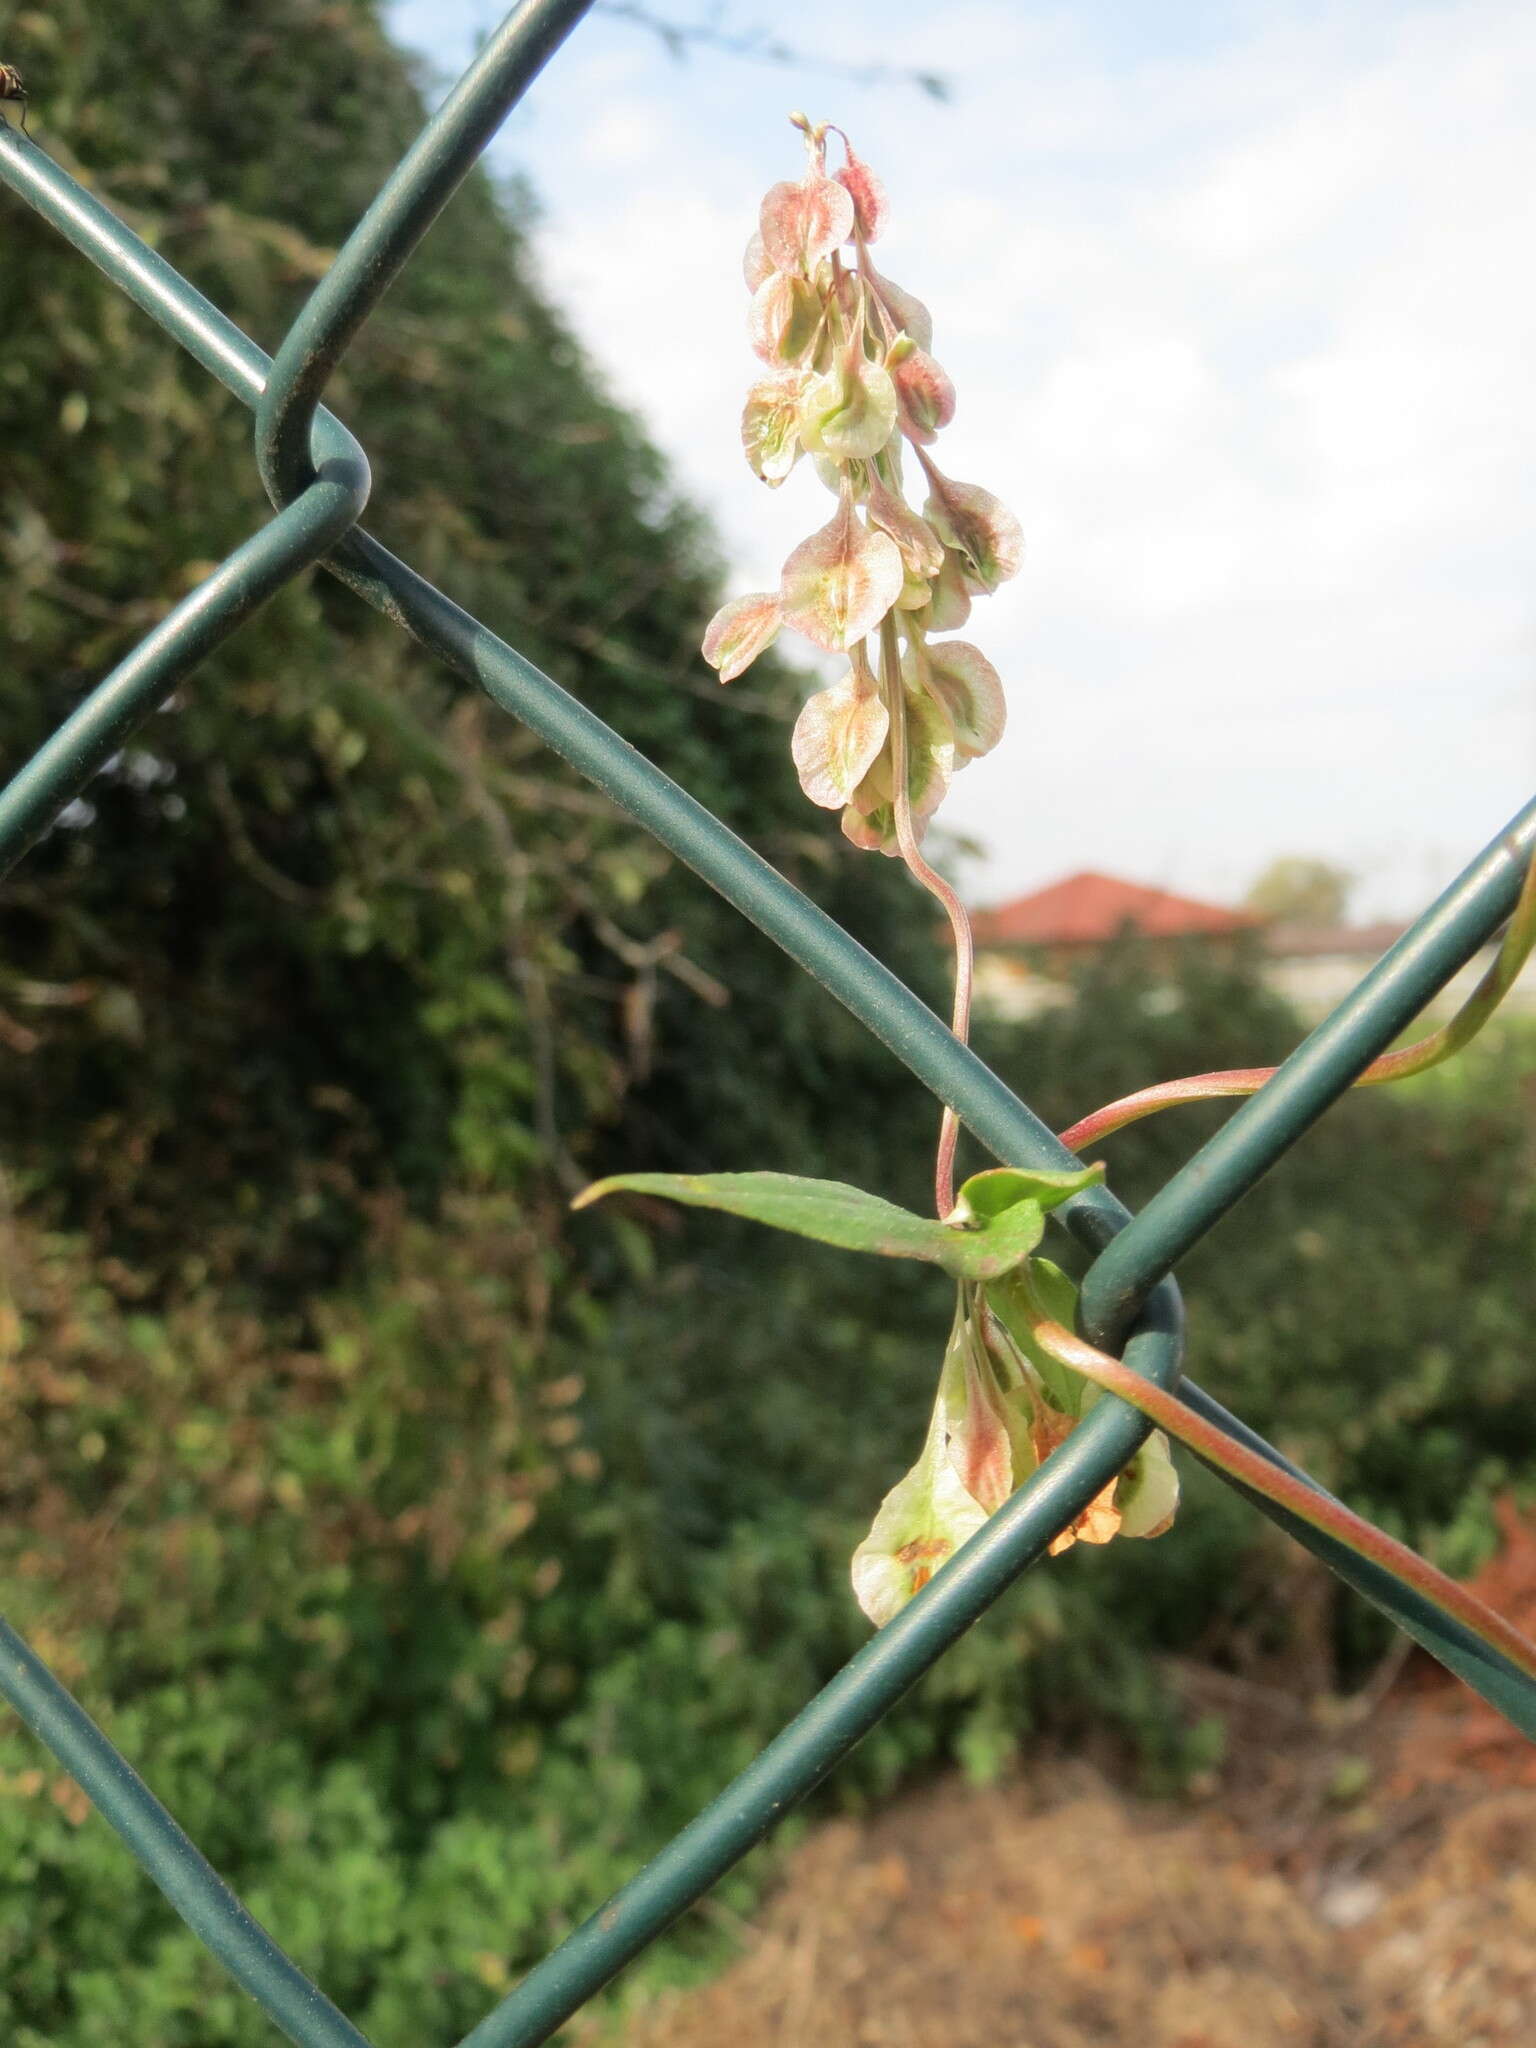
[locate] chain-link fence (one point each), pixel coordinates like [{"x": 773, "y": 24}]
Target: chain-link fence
[{"x": 317, "y": 475}]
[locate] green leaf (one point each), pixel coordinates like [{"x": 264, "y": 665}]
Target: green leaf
[
  {"x": 833, "y": 1213},
  {"x": 1001, "y": 1187},
  {"x": 1064, "y": 1389}
]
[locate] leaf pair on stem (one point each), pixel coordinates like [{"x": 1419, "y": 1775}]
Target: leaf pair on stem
[
  {"x": 1003, "y": 1403},
  {"x": 1017, "y": 1380}
]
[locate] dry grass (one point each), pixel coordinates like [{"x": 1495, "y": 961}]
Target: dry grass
[{"x": 1352, "y": 1884}]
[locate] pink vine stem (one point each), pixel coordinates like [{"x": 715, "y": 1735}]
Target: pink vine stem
[
  {"x": 935, "y": 884},
  {"x": 1519, "y": 938},
  {"x": 1240, "y": 1463}
]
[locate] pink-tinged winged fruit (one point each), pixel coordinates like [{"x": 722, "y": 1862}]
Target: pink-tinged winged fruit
[
  {"x": 837, "y": 738},
  {"x": 770, "y": 429},
  {"x": 930, "y": 755},
  {"x": 979, "y": 527},
  {"x": 906, "y": 314},
  {"x": 922, "y": 1522},
  {"x": 872, "y": 831},
  {"x": 987, "y": 1444},
  {"x": 950, "y": 604},
  {"x": 804, "y": 221},
  {"x": 1147, "y": 1495},
  {"x": 922, "y": 552},
  {"x": 850, "y": 413},
  {"x": 1099, "y": 1522},
  {"x": 840, "y": 476},
  {"x": 870, "y": 819},
  {"x": 784, "y": 318},
  {"x": 839, "y": 584},
  {"x": 967, "y": 686},
  {"x": 739, "y": 632},
  {"x": 851, "y": 380},
  {"x": 1142, "y": 1500},
  {"x": 871, "y": 208},
  {"x": 754, "y": 263},
  {"x": 924, "y": 394}
]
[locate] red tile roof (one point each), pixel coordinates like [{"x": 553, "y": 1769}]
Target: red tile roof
[{"x": 1088, "y": 909}]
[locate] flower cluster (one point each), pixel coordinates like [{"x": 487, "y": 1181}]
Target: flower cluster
[
  {"x": 849, "y": 378},
  {"x": 1003, "y": 1406}
]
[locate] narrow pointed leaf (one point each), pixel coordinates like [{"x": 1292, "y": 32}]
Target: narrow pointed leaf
[{"x": 833, "y": 1213}]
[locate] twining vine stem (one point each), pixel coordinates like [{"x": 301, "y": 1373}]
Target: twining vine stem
[
  {"x": 1238, "y": 1462},
  {"x": 1418, "y": 1058},
  {"x": 935, "y": 884}
]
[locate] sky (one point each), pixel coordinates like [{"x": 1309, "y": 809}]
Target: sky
[{"x": 1240, "y": 306}]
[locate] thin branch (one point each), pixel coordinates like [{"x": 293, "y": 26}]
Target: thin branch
[
  {"x": 680, "y": 39},
  {"x": 247, "y": 855}
]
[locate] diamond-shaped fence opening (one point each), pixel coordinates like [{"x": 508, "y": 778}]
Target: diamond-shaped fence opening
[{"x": 317, "y": 475}]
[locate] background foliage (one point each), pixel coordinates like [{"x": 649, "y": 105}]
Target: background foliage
[{"x": 433, "y": 1555}]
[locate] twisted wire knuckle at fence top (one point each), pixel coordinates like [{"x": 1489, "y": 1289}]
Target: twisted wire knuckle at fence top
[{"x": 318, "y": 478}]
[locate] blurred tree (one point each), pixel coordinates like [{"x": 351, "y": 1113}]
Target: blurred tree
[
  {"x": 1299, "y": 889},
  {"x": 360, "y": 919}
]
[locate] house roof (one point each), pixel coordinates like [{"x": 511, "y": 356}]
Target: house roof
[{"x": 1089, "y": 909}]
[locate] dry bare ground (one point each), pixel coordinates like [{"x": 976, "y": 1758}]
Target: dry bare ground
[{"x": 1354, "y": 1879}]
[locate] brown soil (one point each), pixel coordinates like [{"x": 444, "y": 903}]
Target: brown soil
[{"x": 1352, "y": 1880}]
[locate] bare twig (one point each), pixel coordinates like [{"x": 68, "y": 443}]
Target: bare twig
[{"x": 680, "y": 39}]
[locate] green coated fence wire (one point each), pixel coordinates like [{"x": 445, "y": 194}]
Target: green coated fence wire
[{"x": 318, "y": 478}]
